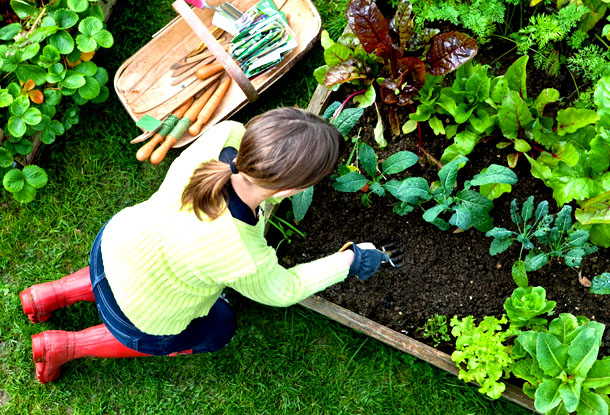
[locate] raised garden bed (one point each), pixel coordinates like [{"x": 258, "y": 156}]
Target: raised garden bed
[{"x": 446, "y": 273}]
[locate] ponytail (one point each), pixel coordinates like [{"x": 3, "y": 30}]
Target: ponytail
[
  {"x": 281, "y": 149},
  {"x": 206, "y": 190}
]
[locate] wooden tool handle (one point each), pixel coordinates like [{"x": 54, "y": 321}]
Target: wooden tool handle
[
  {"x": 194, "y": 129},
  {"x": 205, "y": 71},
  {"x": 210, "y": 106},
  {"x": 159, "y": 154},
  {"x": 195, "y": 109},
  {"x": 144, "y": 151}
]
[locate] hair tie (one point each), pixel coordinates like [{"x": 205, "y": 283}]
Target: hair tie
[{"x": 233, "y": 168}]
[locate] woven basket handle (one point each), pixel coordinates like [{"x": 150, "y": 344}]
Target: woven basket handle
[{"x": 234, "y": 71}]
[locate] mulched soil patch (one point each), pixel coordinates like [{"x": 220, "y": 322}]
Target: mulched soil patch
[{"x": 446, "y": 273}]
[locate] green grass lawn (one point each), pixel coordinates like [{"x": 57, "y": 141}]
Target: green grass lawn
[{"x": 281, "y": 361}]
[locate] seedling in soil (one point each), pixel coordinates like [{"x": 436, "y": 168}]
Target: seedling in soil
[
  {"x": 555, "y": 237},
  {"x": 467, "y": 207},
  {"x": 436, "y": 329},
  {"x": 285, "y": 227}
]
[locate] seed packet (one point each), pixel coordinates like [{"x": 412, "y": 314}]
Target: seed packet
[{"x": 263, "y": 38}]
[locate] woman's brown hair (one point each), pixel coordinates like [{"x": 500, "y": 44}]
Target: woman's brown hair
[{"x": 285, "y": 148}]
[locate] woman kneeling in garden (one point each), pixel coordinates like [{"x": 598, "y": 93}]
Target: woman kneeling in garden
[{"x": 157, "y": 269}]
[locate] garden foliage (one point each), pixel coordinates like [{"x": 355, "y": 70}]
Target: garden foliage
[
  {"x": 394, "y": 54},
  {"x": 543, "y": 236},
  {"x": 47, "y": 74},
  {"x": 565, "y": 141}
]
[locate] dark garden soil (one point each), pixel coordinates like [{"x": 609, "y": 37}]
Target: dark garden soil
[{"x": 448, "y": 273}]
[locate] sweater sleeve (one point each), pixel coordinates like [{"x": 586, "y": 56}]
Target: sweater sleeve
[{"x": 275, "y": 285}]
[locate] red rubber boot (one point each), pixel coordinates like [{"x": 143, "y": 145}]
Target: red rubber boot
[
  {"x": 40, "y": 300},
  {"x": 53, "y": 348}
]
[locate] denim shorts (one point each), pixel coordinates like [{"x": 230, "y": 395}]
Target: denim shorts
[{"x": 203, "y": 334}]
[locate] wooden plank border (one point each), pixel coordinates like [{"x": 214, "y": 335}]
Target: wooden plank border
[{"x": 402, "y": 342}]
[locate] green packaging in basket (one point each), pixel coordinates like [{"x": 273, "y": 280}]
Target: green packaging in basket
[{"x": 263, "y": 38}]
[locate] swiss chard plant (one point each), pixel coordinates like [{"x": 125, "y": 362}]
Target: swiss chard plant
[
  {"x": 526, "y": 304},
  {"x": 403, "y": 52},
  {"x": 561, "y": 368},
  {"x": 543, "y": 236},
  {"x": 482, "y": 352},
  {"x": 46, "y": 75}
]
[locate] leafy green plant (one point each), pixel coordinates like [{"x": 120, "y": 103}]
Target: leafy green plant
[
  {"x": 344, "y": 119},
  {"x": 577, "y": 167},
  {"x": 352, "y": 179},
  {"x": 525, "y": 305},
  {"x": 601, "y": 284},
  {"x": 47, "y": 73},
  {"x": 561, "y": 368},
  {"x": 467, "y": 207},
  {"x": 482, "y": 352},
  {"x": 535, "y": 232},
  {"x": 398, "y": 47},
  {"x": 591, "y": 62},
  {"x": 286, "y": 228},
  {"x": 436, "y": 329},
  {"x": 545, "y": 30},
  {"x": 480, "y": 17},
  {"x": 465, "y": 101}
]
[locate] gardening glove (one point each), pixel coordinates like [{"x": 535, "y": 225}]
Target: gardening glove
[{"x": 366, "y": 259}]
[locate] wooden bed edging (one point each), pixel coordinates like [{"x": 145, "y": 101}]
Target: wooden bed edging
[{"x": 401, "y": 342}]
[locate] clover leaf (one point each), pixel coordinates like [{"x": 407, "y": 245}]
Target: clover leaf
[
  {"x": 23, "y": 183},
  {"x": 92, "y": 34},
  {"x": 65, "y": 18}
]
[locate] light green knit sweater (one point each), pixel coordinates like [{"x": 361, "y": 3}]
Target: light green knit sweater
[{"x": 166, "y": 267}]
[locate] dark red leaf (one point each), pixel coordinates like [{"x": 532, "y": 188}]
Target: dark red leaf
[
  {"x": 389, "y": 91},
  {"x": 449, "y": 51},
  {"x": 412, "y": 77},
  {"x": 368, "y": 23},
  {"x": 346, "y": 71},
  {"x": 401, "y": 26}
]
